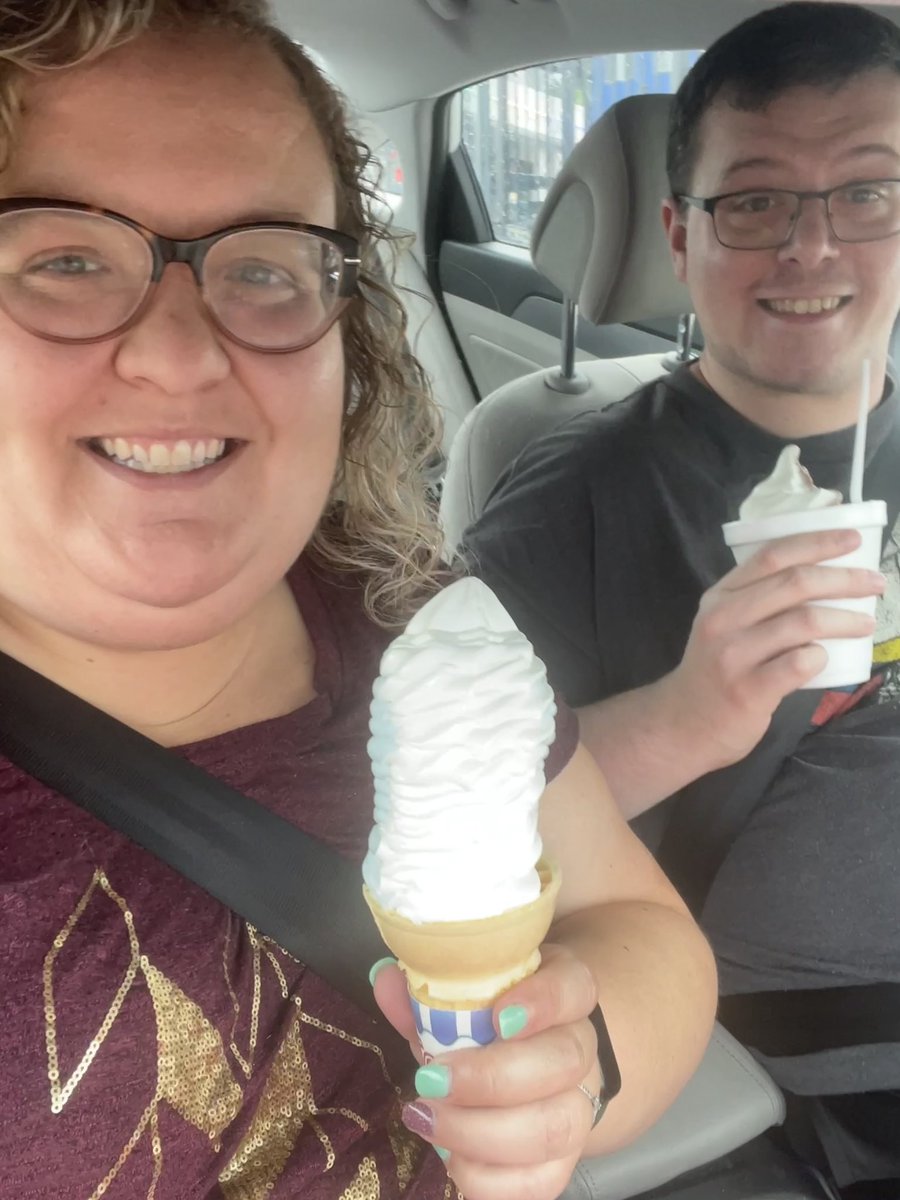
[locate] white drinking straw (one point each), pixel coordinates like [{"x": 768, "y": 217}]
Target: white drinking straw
[{"x": 858, "y": 465}]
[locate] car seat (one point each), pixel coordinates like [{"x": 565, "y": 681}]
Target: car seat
[{"x": 599, "y": 239}]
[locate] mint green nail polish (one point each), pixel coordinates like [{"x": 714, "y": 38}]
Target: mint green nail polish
[
  {"x": 377, "y": 967},
  {"x": 512, "y": 1020},
  {"x": 442, "y": 1154},
  {"x": 433, "y": 1081}
]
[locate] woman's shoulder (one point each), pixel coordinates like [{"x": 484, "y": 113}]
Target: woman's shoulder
[
  {"x": 319, "y": 587},
  {"x": 335, "y": 602},
  {"x": 347, "y": 641},
  {"x": 347, "y": 634}
]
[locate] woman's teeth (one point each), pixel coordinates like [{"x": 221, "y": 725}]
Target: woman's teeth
[
  {"x": 157, "y": 459},
  {"x": 801, "y": 307}
]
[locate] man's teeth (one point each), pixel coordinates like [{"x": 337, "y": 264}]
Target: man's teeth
[
  {"x": 801, "y": 307},
  {"x": 158, "y": 459}
]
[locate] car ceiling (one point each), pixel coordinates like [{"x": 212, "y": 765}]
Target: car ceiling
[{"x": 386, "y": 53}]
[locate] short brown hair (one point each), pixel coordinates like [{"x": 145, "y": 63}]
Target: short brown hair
[{"x": 802, "y": 43}]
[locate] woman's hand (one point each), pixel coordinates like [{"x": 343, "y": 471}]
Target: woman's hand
[{"x": 510, "y": 1116}]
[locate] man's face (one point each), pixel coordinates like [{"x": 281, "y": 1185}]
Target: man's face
[{"x": 807, "y": 139}]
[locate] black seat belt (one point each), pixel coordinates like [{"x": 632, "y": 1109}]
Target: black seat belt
[
  {"x": 707, "y": 815},
  {"x": 791, "y": 1024},
  {"x": 291, "y": 887},
  {"x": 786, "y": 1024}
]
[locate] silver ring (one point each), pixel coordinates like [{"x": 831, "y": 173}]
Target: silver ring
[{"x": 598, "y": 1103}]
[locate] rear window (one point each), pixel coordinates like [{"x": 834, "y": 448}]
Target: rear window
[{"x": 519, "y": 128}]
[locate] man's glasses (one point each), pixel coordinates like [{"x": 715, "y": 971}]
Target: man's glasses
[
  {"x": 765, "y": 219},
  {"x": 70, "y": 273}
]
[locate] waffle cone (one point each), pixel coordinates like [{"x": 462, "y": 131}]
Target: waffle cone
[{"x": 468, "y": 964}]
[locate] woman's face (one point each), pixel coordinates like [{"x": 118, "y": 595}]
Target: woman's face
[{"x": 185, "y": 139}]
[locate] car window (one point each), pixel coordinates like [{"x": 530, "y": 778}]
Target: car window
[{"x": 518, "y": 129}]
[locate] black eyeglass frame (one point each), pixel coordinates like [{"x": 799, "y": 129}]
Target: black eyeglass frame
[
  {"x": 708, "y": 204},
  {"x": 193, "y": 252}
]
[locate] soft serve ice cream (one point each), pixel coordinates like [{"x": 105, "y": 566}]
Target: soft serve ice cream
[
  {"x": 788, "y": 502},
  {"x": 462, "y": 719},
  {"x": 788, "y": 489}
]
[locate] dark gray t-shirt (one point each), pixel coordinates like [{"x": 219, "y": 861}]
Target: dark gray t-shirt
[
  {"x": 603, "y": 535},
  {"x": 600, "y": 540}
]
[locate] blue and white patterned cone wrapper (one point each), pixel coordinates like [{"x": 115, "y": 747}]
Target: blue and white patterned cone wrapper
[
  {"x": 448, "y": 963},
  {"x": 441, "y": 1030}
]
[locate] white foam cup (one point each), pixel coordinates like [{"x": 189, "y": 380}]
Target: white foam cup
[{"x": 849, "y": 659}]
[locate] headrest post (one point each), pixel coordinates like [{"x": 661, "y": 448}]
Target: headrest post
[
  {"x": 684, "y": 351},
  {"x": 686, "y": 323},
  {"x": 567, "y": 337},
  {"x": 567, "y": 379}
]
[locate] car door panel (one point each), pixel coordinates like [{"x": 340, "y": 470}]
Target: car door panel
[{"x": 507, "y": 317}]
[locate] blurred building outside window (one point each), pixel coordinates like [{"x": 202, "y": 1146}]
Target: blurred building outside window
[{"x": 518, "y": 129}]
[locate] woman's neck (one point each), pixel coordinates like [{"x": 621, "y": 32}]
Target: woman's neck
[{"x": 261, "y": 667}]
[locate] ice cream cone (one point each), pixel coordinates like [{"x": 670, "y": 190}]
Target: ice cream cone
[{"x": 468, "y": 964}]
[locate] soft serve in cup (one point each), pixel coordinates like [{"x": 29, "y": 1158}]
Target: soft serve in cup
[{"x": 788, "y": 502}]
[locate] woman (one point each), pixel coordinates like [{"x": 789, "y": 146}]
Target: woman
[{"x": 211, "y": 507}]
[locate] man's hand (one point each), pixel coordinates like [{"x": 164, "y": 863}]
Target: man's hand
[
  {"x": 753, "y": 640},
  {"x": 751, "y": 644}
]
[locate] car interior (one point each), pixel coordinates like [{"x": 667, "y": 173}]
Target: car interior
[{"x": 522, "y": 151}]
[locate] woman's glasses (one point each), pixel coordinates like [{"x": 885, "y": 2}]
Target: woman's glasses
[{"x": 70, "y": 273}]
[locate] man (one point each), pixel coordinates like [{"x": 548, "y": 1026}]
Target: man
[{"x": 604, "y": 539}]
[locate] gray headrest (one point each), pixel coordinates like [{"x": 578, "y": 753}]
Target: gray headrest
[{"x": 599, "y": 234}]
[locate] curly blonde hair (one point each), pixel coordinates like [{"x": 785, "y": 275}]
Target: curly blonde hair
[{"x": 380, "y": 521}]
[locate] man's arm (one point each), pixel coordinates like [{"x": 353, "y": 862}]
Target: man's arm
[
  {"x": 637, "y": 744},
  {"x": 752, "y": 643},
  {"x": 552, "y": 536}
]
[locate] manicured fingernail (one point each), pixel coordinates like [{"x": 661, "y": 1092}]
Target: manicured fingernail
[
  {"x": 379, "y": 966},
  {"x": 512, "y": 1020},
  {"x": 442, "y": 1154},
  {"x": 418, "y": 1118},
  {"x": 433, "y": 1081}
]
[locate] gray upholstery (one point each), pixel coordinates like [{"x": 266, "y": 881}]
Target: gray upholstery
[
  {"x": 599, "y": 234},
  {"x": 498, "y": 428},
  {"x": 599, "y": 238},
  {"x": 427, "y": 334},
  {"x": 729, "y": 1101}
]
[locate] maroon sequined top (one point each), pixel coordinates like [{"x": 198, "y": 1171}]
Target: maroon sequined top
[{"x": 152, "y": 1044}]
